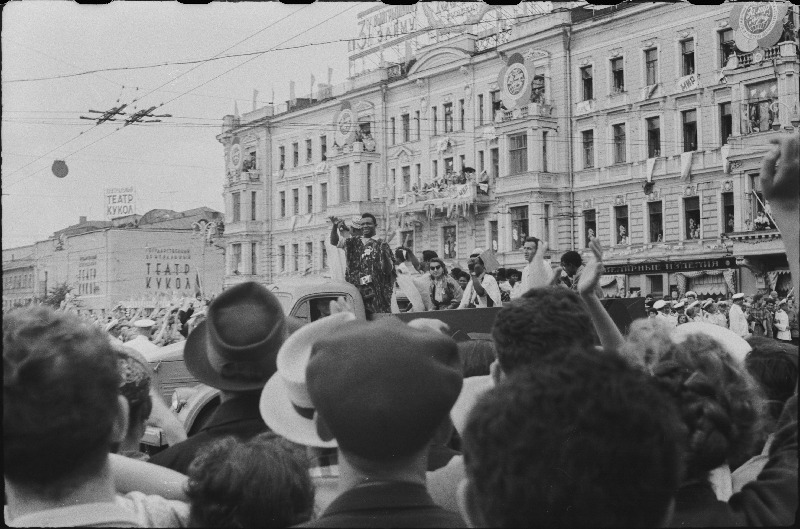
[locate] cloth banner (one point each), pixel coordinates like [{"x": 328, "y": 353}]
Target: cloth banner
[
  {"x": 727, "y": 274},
  {"x": 606, "y": 280},
  {"x": 724, "y": 152},
  {"x": 490, "y": 262},
  {"x": 686, "y": 165},
  {"x": 337, "y": 261},
  {"x": 416, "y": 287},
  {"x": 651, "y": 165}
]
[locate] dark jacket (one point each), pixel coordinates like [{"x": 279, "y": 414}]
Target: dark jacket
[
  {"x": 770, "y": 500},
  {"x": 239, "y": 417},
  {"x": 386, "y": 504}
]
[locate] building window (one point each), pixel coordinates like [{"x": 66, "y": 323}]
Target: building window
[
  {"x": 253, "y": 258},
  {"x": 295, "y": 155},
  {"x": 687, "y": 57},
  {"x": 760, "y": 220},
  {"x": 725, "y": 122},
  {"x": 461, "y": 114},
  {"x": 365, "y": 128},
  {"x": 344, "y": 183},
  {"x": 651, "y": 66},
  {"x": 309, "y": 199},
  {"x": 237, "y": 207},
  {"x": 434, "y": 120},
  {"x": 655, "y": 285},
  {"x": 417, "y": 174},
  {"x": 653, "y": 137},
  {"x": 544, "y": 151},
  {"x": 480, "y": 109},
  {"x": 689, "y": 120},
  {"x": 727, "y": 46},
  {"x": 450, "y": 242},
  {"x": 323, "y": 147},
  {"x": 497, "y": 103},
  {"x": 537, "y": 89},
  {"x": 588, "y": 148},
  {"x": 407, "y": 239},
  {"x": 237, "y": 258},
  {"x": 283, "y": 203},
  {"x": 494, "y": 153},
  {"x": 481, "y": 161},
  {"x": 369, "y": 181},
  {"x": 253, "y": 203},
  {"x": 435, "y": 169},
  {"x": 546, "y": 224},
  {"x": 249, "y": 162},
  {"x": 462, "y": 162},
  {"x": 519, "y": 226},
  {"x": 406, "y": 123},
  {"x": 406, "y": 173},
  {"x": 394, "y": 178},
  {"x": 618, "y": 132},
  {"x": 654, "y": 210},
  {"x": 394, "y": 131},
  {"x": 295, "y": 201},
  {"x": 589, "y": 225},
  {"x": 691, "y": 211},
  {"x": 324, "y": 250},
  {"x": 295, "y": 257},
  {"x": 282, "y": 162},
  {"x": 448, "y": 117},
  {"x": 518, "y": 153},
  {"x": 323, "y": 196},
  {"x": 494, "y": 235},
  {"x": 617, "y": 75},
  {"x": 728, "y": 219},
  {"x": 621, "y": 216},
  {"x": 309, "y": 255},
  {"x": 760, "y": 99},
  {"x": 586, "y": 83},
  {"x": 449, "y": 168},
  {"x": 309, "y": 152}
]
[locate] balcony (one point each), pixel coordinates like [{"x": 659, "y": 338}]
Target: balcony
[
  {"x": 243, "y": 177},
  {"x": 532, "y": 110},
  {"x": 530, "y": 181},
  {"x": 786, "y": 50},
  {"x": 451, "y": 198}
]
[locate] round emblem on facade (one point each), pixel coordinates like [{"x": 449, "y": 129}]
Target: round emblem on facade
[
  {"x": 345, "y": 122},
  {"x": 236, "y": 157},
  {"x": 757, "y": 24},
  {"x": 515, "y": 80},
  {"x": 344, "y": 125}
]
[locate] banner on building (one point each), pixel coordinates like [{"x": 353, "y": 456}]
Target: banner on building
[{"x": 120, "y": 202}]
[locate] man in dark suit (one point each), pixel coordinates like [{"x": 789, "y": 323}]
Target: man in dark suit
[
  {"x": 383, "y": 390},
  {"x": 233, "y": 350}
]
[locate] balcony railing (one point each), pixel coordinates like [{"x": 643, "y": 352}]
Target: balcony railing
[
  {"x": 452, "y": 198},
  {"x": 782, "y": 49},
  {"x": 530, "y": 110}
]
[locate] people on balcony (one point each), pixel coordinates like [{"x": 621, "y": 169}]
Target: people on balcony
[{"x": 761, "y": 222}]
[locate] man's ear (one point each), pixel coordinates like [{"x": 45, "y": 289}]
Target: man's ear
[
  {"x": 497, "y": 372},
  {"x": 467, "y": 506},
  {"x": 120, "y": 427}
]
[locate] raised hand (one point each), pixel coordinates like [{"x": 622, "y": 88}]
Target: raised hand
[
  {"x": 590, "y": 277},
  {"x": 780, "y": 173},
  {"x": 342, "y": 305}
]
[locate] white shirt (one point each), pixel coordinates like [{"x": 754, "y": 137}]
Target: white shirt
[
  {"x": 782, "y": 324},
  {"x": 738, "y": 321},
  {"x": 144, "y": 346},
  {"x": 489, "y": 284},
  {"x": 670, "y": 318},
  {"x": 717, "y": 319}
]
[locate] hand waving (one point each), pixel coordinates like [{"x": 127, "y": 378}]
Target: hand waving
[{"x": 590, "y": 278}]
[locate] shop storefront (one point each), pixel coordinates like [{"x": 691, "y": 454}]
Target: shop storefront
[{"x": 706, "y": 277}]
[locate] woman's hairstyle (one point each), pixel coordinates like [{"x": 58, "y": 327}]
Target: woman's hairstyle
[
  {"x": 721, "y": 404},
  {"x": 437, "y": 260},
  {"x": 263, "y": 482}
]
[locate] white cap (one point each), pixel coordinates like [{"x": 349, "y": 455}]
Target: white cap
[
  {"x": 144, "y": 323},
  {"x": 476, "y": 251},
  {"x": 691, "y": 293},
  {"x": 734, "y": 344},
  {"x": 693, "y": 304},
  {"x": 708, "y": 302},
  {"x": 660, "y": 304},
  {"x": 738, "y": 295},
  {"x": 678, "y": 305}
]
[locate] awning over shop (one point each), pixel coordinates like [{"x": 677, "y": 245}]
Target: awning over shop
[
  {"x": 779, "y": 280},
  {"x": 707, "y": 282}
]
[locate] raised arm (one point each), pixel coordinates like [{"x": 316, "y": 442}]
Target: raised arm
[
  {"x": 334, "y": 231},
  {"x": 610, "y": 336},
  {"x": 780, "y": 182},
  {"x": 132, "y": 475}
]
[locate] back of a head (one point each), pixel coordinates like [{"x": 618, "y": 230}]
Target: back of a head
[
  {"x": 586, "y": 440},
  {"x": 60, "y": 389},
  {"x": 721, "y": 404},
  {"x": 774, "y": 366},
  {"x": 262, "y": 482},
  {"x": 136, "y": 376},
  {"x": 572, "y": 258},
  {"x": 476, "y": 357},
  {"x": 543, "y": 322},
  {"x": 427, "y": 255}
]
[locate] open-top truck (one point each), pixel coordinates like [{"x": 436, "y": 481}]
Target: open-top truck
[{"x": 308, "y": 299}]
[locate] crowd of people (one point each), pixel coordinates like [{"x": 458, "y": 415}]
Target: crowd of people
[{"x": 350, "y": 423}]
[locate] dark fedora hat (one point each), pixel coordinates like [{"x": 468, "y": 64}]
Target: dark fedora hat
[
  {"x": 383, "y": 389},
  {"x": 235, "y": 347}
]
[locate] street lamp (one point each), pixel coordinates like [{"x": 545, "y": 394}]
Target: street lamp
[{"x": 794, "y": 115}]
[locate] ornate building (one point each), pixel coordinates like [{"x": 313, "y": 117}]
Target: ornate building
[{"x": 642, "y": 124}]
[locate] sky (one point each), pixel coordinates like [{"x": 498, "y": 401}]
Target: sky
[{"x": 176, "y": 164}]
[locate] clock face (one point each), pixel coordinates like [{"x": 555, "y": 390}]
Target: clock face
[{"x": 516, "y": 77}]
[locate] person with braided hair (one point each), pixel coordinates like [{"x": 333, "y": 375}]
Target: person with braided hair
[{"x": 723, "y": 410}]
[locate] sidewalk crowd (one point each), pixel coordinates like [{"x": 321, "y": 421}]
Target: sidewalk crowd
[{"x": 689, "y": 419}]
